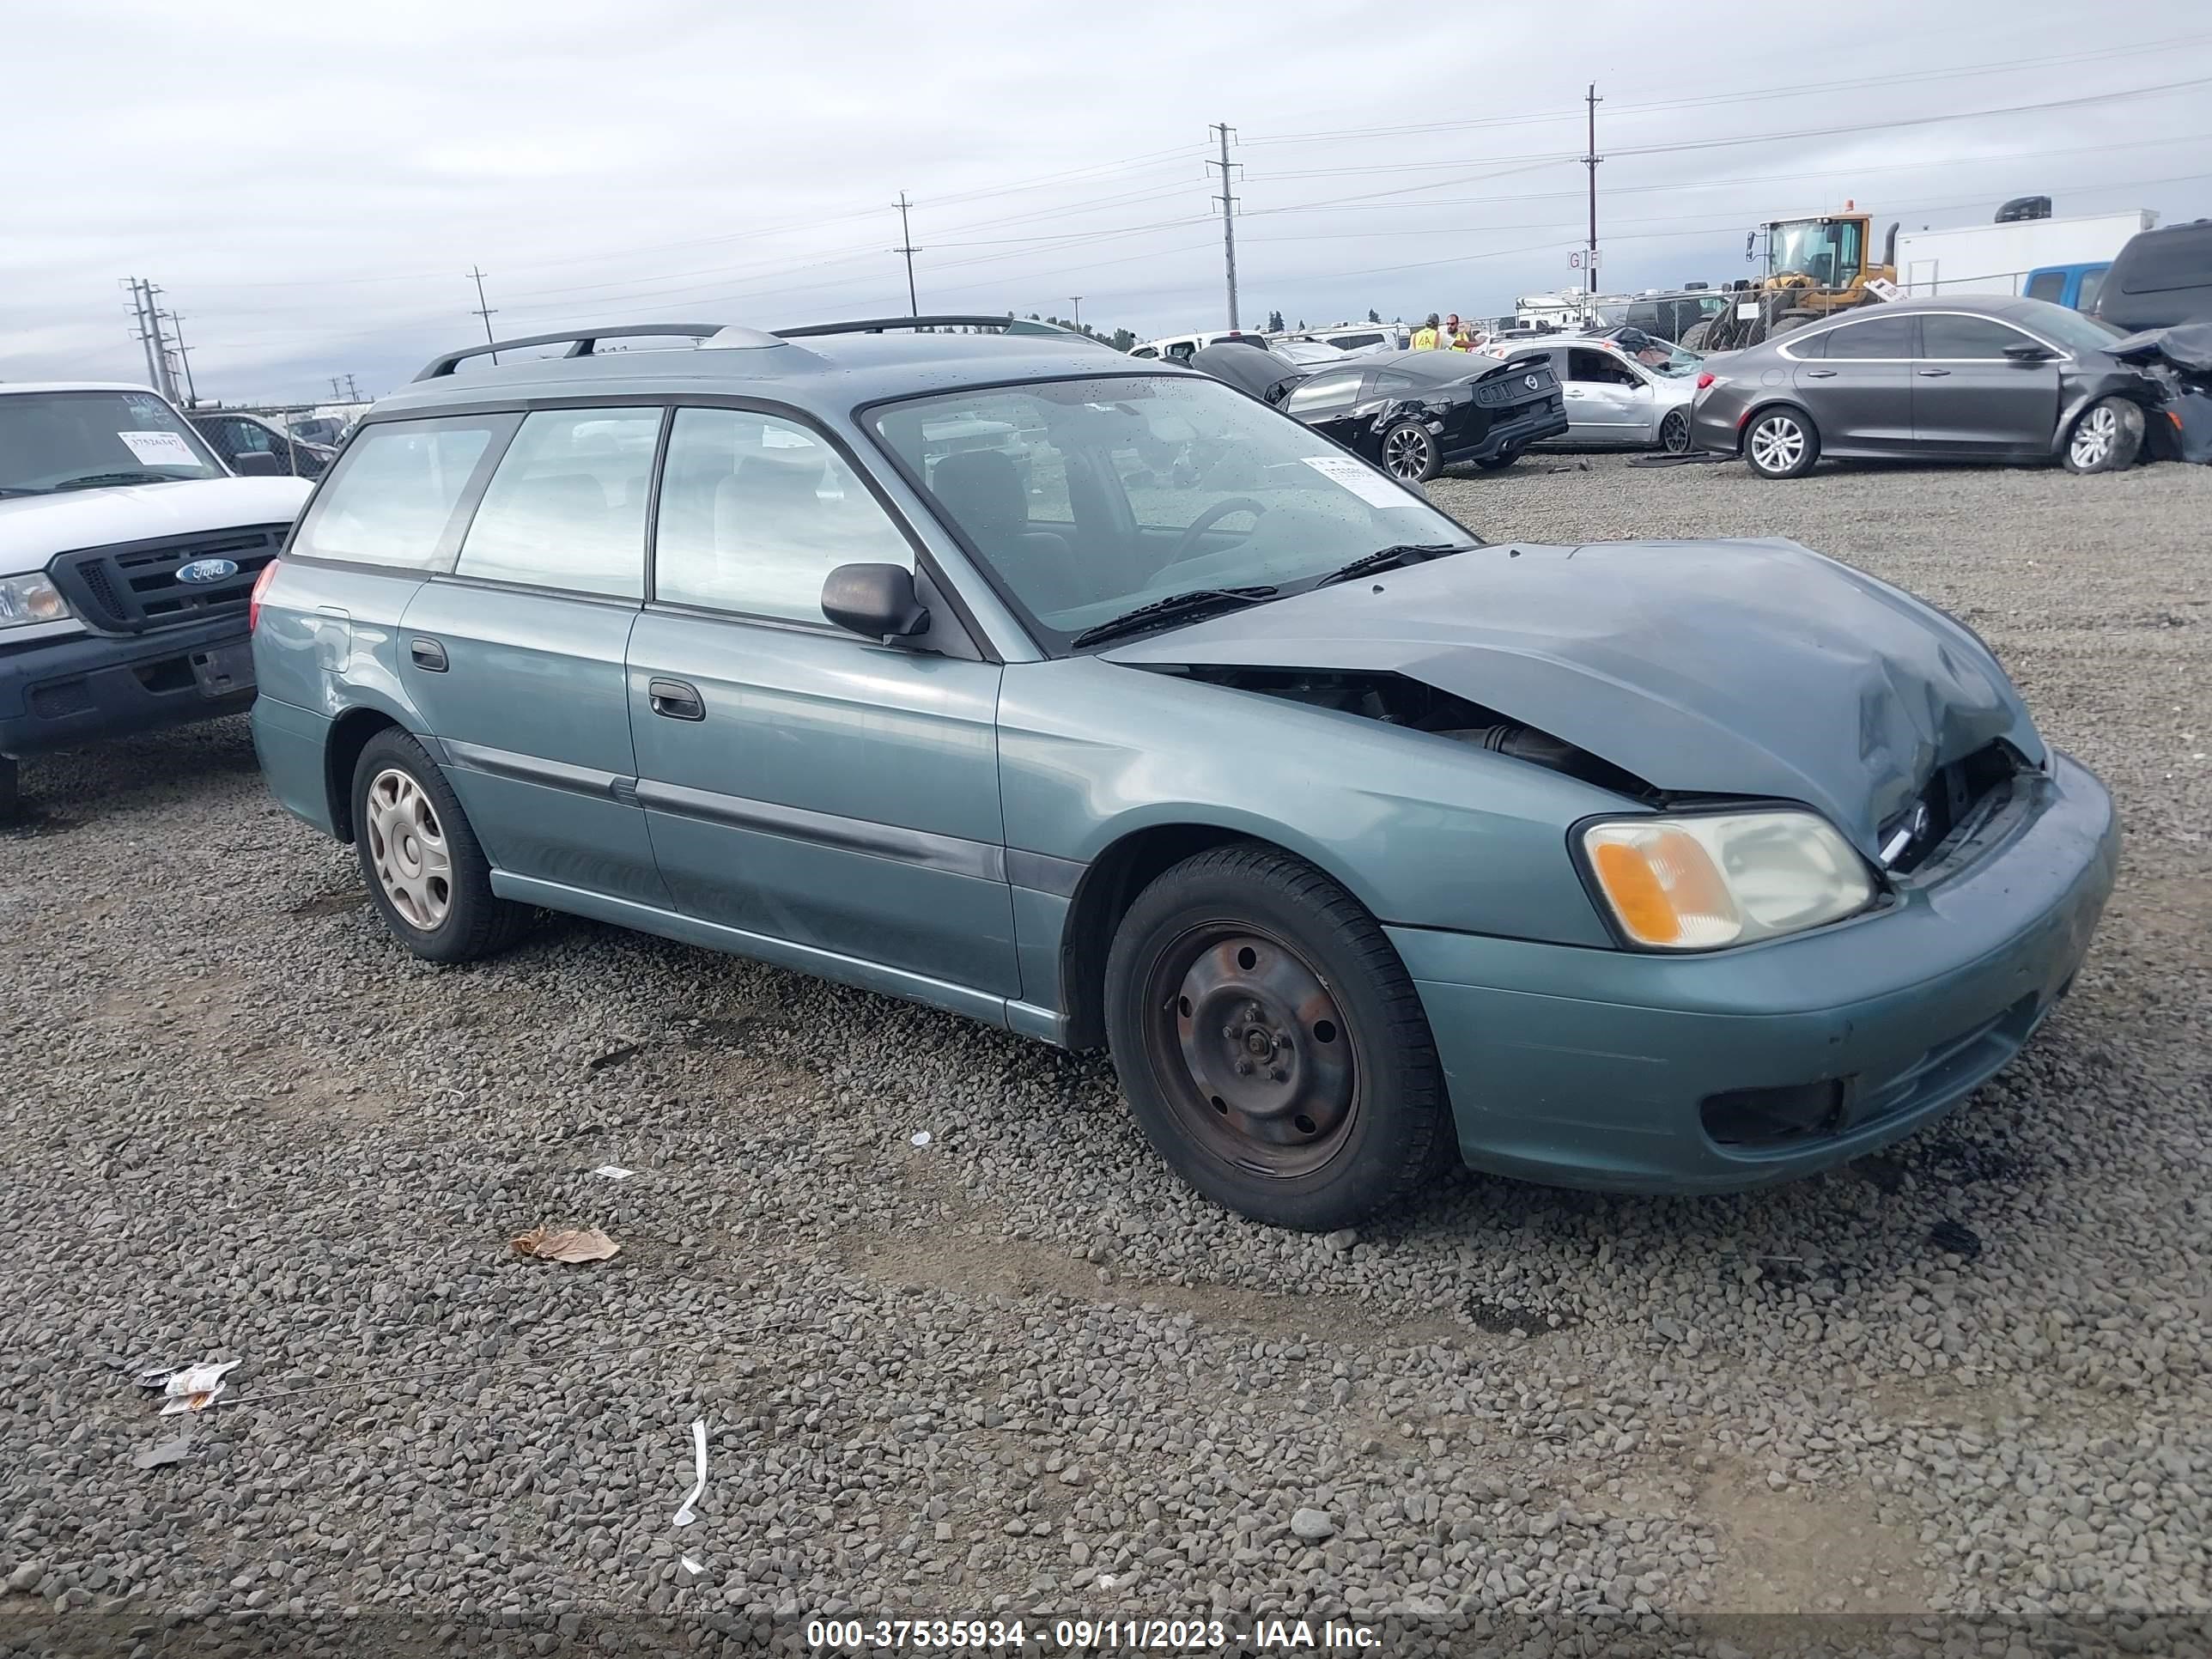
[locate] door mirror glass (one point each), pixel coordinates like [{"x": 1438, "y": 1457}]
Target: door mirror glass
[{"x": 876, "y": 600}]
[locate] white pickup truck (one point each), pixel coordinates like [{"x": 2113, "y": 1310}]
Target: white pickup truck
[{"x": 128, "y": 551}]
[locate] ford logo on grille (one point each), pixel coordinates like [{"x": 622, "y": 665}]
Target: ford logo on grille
[{"x": 208, "y": 570}]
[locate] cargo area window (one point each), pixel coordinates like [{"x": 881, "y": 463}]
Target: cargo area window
[{"x": 390, "y": 498}]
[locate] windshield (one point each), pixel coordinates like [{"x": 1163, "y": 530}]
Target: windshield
[
  {"x": 1665, "y": 359},
  {"x": 1132, "y": 489},
  {"x": 2064, "y": 326},
  {"x": 52, "y": 441},
  {"x": 1825, "y": 250}
]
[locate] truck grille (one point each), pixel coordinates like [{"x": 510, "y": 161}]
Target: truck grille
[{"x": 133, "y": 588}]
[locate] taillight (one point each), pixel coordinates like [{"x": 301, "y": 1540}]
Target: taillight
[
  {"x": 260, "y": 586},
  {"x": 1705, "y": 379}
]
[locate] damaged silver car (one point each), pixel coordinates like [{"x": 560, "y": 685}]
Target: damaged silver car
[{"x": 1361, "y": 843}]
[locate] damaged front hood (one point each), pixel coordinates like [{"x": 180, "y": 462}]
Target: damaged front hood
[{"x": 1721, "y": 667}]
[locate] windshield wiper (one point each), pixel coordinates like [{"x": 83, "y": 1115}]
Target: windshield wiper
[
  {"x": 19, "y": 490},
  {"x": 94, "y": 480},
  {"x": 1173, "y": 606},
  {"x": 1390, "y": 558}
]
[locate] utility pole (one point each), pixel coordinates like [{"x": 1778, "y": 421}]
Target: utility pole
[
  {"x": 1590, "y": 160},
  {"x": 142, "y": 334},
  {"x": 907, "y": 247},
  {"x": 1228, "y": 211},
  {"x": 184, "y": 357},
  {"x": 352, "y": 391},
  {"x": 483, "y": 310},
  {"x": 1076, "y": 300},
  {"x": 337, "y": 392}
]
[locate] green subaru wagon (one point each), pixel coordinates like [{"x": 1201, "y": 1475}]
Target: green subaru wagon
[{"x": 1096, "y": 700}]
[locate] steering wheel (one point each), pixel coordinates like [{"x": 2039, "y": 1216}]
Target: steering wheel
[{"x": 1206, "y": 521}]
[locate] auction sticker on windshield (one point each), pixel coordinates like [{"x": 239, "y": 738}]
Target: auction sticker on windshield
[
  {"x": 159, "y": 449},
  {"x": 1361, "y": 479}
]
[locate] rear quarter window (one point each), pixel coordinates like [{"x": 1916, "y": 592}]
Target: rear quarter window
[{"x": 393, "y": 495}]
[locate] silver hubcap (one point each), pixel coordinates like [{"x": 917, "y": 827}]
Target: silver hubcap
[
  {"x": 1406, "y": 453},
  {"x": 1777, "y": 443},
  {"x": 1674, "y": 434},
  {"x": 2093, "y": 437},
  {"x": 407, "y": 849}
]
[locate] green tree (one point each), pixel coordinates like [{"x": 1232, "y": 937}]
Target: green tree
[
  {"x": 1274, "y": 322},
  {"x": 1121, "y": 339},
  {"x": 1373, "y": 315}
]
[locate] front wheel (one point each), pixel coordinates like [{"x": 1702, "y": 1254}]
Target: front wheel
[
  {"x": 1270, "y": 1043},
  {"x": 427, "y": 876},
  {"x": 1782, "y": 443},
  {"x": 2107, "y": 438},
  {"x": 1409, "y": 453}
]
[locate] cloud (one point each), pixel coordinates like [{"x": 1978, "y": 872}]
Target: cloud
[{"x": 311, "y": 187}]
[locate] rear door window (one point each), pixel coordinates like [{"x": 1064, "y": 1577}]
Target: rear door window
[
  {"x": 2047, "y": 285},
  {"x": 566, "y": 508},
  {"x": 1881, "y": 338},
  {"x": 391, "y": 497}
]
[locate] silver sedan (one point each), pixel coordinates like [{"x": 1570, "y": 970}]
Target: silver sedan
[{"x": 1618, "y": 399}]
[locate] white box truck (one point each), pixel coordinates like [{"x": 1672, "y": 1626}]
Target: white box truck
[{"x": 1996, "y": 258}]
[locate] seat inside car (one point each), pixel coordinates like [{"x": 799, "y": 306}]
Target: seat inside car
[{"x": 983, "y": 493}]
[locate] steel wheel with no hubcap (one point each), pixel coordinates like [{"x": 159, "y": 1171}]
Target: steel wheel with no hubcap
[
  {"x": 1251, "y": 1050},
  {"x": 1777, "y": 443},
  {"x": 1406, "y": 451},
  {"x": 407, "y": 849},
  {"x": 2094, "y": 434}
]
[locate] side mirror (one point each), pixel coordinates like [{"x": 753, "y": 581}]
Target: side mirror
[
  {"x": 876, "y": 600},
  {"x": 2025, "y": 353},
  {"x": 258, "y": 464}
]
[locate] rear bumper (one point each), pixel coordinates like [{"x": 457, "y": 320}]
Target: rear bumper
[
  {"x": 58, "y": 694},
  {"x": 292, "y": 745},
  {"x": 1595, "y": 1068},
  {"x": 1716, "y": 423},
  {"x": 1540, "y": 421}
]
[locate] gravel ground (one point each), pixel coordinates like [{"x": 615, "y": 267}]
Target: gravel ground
[{"x": 1020, "y": 1367}]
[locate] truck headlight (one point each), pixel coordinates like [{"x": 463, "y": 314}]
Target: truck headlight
[
  {"x": 27, "y": 600},
  {"x": 1698, "y": 883}
]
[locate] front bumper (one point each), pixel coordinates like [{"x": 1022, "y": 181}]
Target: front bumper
[
  {"x": 57, "y": 694},
  {"x": 1594, "y": 1068}
]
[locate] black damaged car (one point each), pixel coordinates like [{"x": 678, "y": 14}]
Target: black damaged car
[{"x": 1413, "y": 412}]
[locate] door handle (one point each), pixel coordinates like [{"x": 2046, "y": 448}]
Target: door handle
[
  {"x": 1820, "y": 374},
  {"x": 428, "y": 655},
  {"x": 1934, "y": 373},
  {"x": 676, "y": 701}
]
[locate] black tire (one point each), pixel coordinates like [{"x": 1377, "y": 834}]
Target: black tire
[
  {"x": 1693, "y": 337},
  {"x": 11, "y": 790},
  {"x": 1764, "y": 436},
  {"x": 1790, "y": 319},
  {"x": 2107, "y": 436},
  {"x": 1409, "y": 453},
  {"x": 1500, "y": 462},
  {"x": 1245, "y": 975},
  {"x": 1674, "y": 432},
  {"x": 475, "y": 922}
]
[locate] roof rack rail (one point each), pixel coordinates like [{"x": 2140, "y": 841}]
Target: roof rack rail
[
  {"x": 580, "y": 344},
  {"x": 1012, "y": 324}
]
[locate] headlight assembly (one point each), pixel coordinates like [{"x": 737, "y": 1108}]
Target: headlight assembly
[
  {"x": 1702, "y": 882},
  {"x": 27, "y": 600}
]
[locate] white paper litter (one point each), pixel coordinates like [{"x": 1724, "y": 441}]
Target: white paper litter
[
  {"x": 200, "y": 1379},
  {"x": 691, "y": 1566},
  {"x": 921, "y": 1138},
  {"x": 192, "y": 1402},
  {"x": 614, "y": 1172},
  {"x": 685, "y": 1515}
]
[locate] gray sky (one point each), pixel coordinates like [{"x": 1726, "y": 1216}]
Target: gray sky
[{"x": 309, "y": 185}]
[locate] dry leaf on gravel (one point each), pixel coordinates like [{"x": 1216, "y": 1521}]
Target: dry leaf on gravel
[{"x": 566, "y": 1244}]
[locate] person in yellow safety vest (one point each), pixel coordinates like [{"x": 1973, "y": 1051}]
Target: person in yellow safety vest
[
  {"x": 1458, "y": 337},
  {"x": 1424, "y": 337}
]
